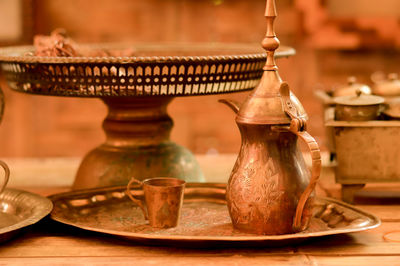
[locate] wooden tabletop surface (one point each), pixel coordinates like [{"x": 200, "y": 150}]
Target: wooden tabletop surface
[{"x": 51, "y": 243}]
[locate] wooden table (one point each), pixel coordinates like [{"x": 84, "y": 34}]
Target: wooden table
[{"x": 55, "y": 244}]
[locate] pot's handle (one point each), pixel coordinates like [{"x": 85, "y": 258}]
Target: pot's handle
[
  {"x": 312, "y": 145},
  {"x": 296, "y": 127},
  {"x": 1, "y": 104},
  {"x": 315, "y": 173},
  {"x": 6, "y": 175},
  {"x": 3, "y": 164}
]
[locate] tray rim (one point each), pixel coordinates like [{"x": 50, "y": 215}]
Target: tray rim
[
  {"x": 176, "y": 238},
  {"x": 5, "y": 57},
  {"x": 42, "y": 208}
]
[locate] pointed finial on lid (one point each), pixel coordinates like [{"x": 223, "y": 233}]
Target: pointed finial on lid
[
  {"x": 270, "y": 43},
  {"x": 271, "y": 102}
]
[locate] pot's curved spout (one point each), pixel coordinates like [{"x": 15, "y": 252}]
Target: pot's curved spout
[{"x": 232, "y": 104}]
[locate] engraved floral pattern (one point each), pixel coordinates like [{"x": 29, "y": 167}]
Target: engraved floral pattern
[{"x": 254, "y": 197}]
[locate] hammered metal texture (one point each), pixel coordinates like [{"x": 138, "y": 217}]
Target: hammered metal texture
[
  {"x": 19, "y": 209},
  {"x": 204, "y": 217},
  {"x": 158, "y": 70}
]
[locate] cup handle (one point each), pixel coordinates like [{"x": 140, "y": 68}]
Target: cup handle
[
  {"x": 138, "y": 202},
  {"x": 6, "y": 175}
]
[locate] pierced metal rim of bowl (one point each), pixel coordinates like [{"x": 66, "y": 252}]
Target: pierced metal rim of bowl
[{"x": 225, "y": 52}]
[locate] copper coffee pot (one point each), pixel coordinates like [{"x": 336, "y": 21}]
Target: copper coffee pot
[{"x": 270, "y": 189}]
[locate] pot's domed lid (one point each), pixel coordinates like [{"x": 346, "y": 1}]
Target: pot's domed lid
[
  {"x": 351, "y": 88},
  {"x": 359, "y": 99},
  {"x": 270, "y": 100},
  {"x": 389, "y": 87}
]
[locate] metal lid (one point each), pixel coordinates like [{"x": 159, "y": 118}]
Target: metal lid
[
  {"x": 389, "y": 87},
  {"x": 393, "y": 110},
  {"x": 359, "y": 99},
  {"x": 351, "y": 88},
  {"x": 266, "y": 104}
]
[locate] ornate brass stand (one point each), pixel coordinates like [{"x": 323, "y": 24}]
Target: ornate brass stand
[
  {"x": 137, "y": 143},
  {"x": 137, "y": 91}
]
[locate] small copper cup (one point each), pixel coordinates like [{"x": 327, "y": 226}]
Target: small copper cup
[{"x": 163, "y": 198}]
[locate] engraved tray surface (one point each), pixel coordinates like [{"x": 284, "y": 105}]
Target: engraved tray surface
[
  {"x": 204, "y": 217},
  {"x": 19, "y": 209},
  {"x": 155, "y": 70}
]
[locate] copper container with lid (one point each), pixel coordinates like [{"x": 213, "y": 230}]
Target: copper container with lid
[
  {"x": 359, "y": 107},
  {"x": 392, "y": 110},
  {"x": 351, "y": 88},
  {"x": 389, "y": 87}
]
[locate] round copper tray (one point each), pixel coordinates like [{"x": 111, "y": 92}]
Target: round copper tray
[
  {"x": 19, "y": 209},
  {"x": 204, "y": 221},
  {"x": 157, "y": 70}
]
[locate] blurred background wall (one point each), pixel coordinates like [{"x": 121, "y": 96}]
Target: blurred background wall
[{"x": 333, "y": 38}]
